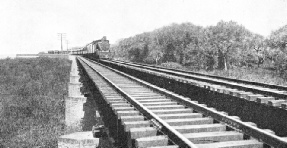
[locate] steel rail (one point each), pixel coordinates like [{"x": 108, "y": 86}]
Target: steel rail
[
  {"x": 174, "y": 135},
  {"x": 245, "y": 88},
  {"x": 266, "y": 137},
  {"x": 280, "y": 87}
]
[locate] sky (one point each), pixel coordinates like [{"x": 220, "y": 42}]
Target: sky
[{"x": 32, "y": 26}]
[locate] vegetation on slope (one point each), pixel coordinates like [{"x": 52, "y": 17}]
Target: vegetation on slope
[
  {"x": 226, "y": 46},
  {"x": 33, "y": 92}
]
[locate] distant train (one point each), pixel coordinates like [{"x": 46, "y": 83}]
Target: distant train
[
  {"x": 98, "y": 49},
  {"x": 58, "y": 52}
]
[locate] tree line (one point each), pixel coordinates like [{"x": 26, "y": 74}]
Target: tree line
[{"x": 224, "y": 46}]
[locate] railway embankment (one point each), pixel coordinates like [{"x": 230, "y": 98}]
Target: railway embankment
[{"x": 82, "y": 115}]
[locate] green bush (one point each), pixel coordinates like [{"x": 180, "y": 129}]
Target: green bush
[{"x": 33, "y": 113}]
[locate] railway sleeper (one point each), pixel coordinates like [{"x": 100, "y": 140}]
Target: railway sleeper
[
  {"x": 128, "y": 120},
  {"x": 134, "y": 130},
  {"x": 271, "y": 101},
  {"x": 226, "y": 90},
  {"x": 140, "y": 132},
  {"x": 143, "y": 100},
  {"x": 276, "y": 103},
  {"x": 264, "y": 100}
]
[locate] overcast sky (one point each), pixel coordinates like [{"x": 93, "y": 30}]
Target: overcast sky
[{"x": 31, "y": 26}]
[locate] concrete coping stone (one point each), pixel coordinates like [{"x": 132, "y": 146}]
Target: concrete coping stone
[
  {"x": 75, "y": 83},
  {"x": 77, "y": 98},
  {"x": 74, "y": 75},
  {"x": 74, "y": 72},
  {"x": 78, "y": 139}
]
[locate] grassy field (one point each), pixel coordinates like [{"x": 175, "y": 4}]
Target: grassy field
[{"x": 32, "y": 93}]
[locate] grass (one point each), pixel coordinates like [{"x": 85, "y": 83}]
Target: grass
[{"x": 33, "y": 104}]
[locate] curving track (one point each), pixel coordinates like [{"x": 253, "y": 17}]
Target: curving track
[{"x": 151, "y": 116}]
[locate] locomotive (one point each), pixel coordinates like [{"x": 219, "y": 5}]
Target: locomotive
[{"x": 98, "y": 49}]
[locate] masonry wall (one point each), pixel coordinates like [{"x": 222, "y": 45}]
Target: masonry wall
[
  {"x": 74, "y": 103},
  {"x": 75, "y": 107}
]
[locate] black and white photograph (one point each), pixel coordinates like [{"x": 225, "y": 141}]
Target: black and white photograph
[{"x": 143, "y": 74}]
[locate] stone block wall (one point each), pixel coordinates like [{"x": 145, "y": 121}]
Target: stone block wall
[{"x": 74, "y": 103}]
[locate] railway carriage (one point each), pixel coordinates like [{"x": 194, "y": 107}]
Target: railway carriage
[{"x": 98, "y": 49}]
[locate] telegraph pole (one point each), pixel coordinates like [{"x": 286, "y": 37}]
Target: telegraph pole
[
  {"x": 67, "y": 44},
  {"x": 62, "y": 35}
]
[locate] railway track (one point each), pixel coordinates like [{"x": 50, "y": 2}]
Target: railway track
[
  {"x": 150, "y": 116},
  {"x": 268, "y": 94}
]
